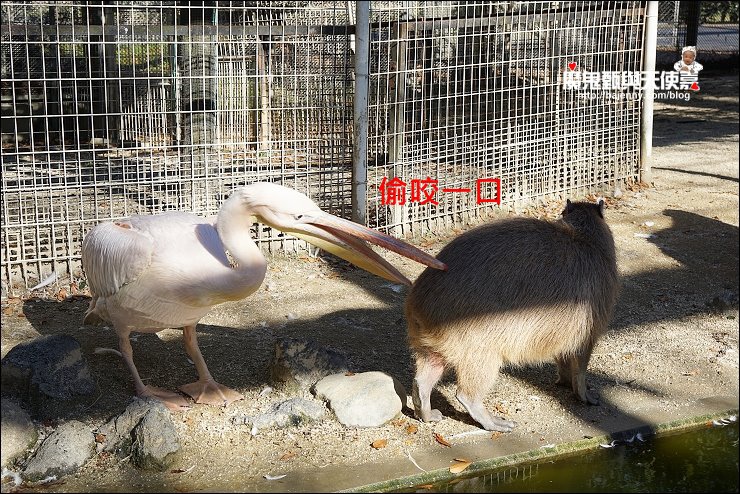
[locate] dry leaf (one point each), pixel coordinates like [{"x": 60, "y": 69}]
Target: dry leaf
[
  {"x": 691, "y": 373},
  {"x": 461, "y": 465},
  {"x": 99, "y": 438},
  {"x": 349, "y": 373},
  {"x": 496, "y": 434},
  {"x": 411, "y": 429},
  {"x": 441, "y": 440},
  {"x": 62, "y": 294},
  {"x": 288, "y": 455},
  {"x": 398, "y": 422},
  {"x": 379, "y": 443},
  {"x": 425, "y": 486},
  {"x": 8, "y": 311}
]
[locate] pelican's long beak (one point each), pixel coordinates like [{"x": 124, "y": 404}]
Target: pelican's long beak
[{"x": 347, "y": 240}]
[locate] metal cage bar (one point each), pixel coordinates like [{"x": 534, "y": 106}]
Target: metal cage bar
[{"x": 135, "y": 107}]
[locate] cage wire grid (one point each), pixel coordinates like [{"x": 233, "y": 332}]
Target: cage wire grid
[{"x": 126, "y": 107}]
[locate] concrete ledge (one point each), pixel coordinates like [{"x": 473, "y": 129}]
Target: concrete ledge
[{"x": 480, "y": 467}]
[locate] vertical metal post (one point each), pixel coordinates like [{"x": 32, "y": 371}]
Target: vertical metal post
[
  {"x": 398, "y": 121},
  {"x": 649, "y": 47},
  {"x": 360, "y": 120}
]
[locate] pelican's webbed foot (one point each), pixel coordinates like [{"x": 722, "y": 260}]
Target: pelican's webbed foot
[
  {"x": 174, "y": 401},
  {"x": 211, "y": 393}
]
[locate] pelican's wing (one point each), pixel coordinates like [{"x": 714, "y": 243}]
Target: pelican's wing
[{"x": 114, "y": 254}]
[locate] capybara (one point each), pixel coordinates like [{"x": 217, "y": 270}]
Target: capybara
[{"x": 517, "y": 291}]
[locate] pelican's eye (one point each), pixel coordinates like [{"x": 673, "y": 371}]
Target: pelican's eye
[{"x": 298, "y": 216}]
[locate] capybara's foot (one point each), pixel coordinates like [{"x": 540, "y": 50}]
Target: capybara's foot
[
  {"x": 480, "y": 414},
  {"x": 432, "y": 415},
  {"x": 589, "y": 397}
]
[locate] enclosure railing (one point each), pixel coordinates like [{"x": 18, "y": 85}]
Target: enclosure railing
[{"x": 136, "y": 107}]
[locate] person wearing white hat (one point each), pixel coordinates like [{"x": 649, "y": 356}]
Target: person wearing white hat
[{"x": 688, "y": 61}]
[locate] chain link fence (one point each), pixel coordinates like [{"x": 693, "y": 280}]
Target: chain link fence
[
  {"x": 712, "y": 27},
  {"x": 117, "y": 108}
]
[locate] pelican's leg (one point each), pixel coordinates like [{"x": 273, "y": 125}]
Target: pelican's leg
[
  {"x": 205, "y": 389},
  {"x": 174, "y": 401}
]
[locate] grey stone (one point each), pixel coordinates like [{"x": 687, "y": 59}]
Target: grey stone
[
  {"x": 289, "y": 413},
  {"x": 117, "y": 431},
  {"x": 155, "y": 440},
  {"x": 367, "y": 399},
  {"x": 63, "y": 452},
  {"x": 17, "y": 431},
  {"x": 298, "y": 364},
  {"x": 50, "y": 374}
]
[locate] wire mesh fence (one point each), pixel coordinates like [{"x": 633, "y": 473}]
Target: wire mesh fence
[{"x": 117, "y": 108}]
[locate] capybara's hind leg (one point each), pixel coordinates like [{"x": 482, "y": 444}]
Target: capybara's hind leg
[
  {"x": 429, "y": 369},
  {"x": 474, "y": 380},
  {"x": 572, "y": 372}
]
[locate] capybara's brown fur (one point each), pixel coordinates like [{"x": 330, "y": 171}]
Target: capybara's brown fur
[{"x": 517, "y": 291}]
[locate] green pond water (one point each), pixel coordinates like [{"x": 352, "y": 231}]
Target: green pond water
[{"x": 703, "y": 459}]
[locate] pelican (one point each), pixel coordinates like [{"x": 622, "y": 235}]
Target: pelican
[{"x": 149, "y": 273}]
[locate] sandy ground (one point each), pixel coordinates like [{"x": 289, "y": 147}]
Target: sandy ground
[{"x": 667, "y": 356}]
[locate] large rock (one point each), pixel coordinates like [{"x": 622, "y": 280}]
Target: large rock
[
  {"x": 115, "y": 435},
  {"x": 146, "y": 431},
  {"x": 298, "y": 364},
  {"x": 17, "y": 430},
  {"x": 63, "y": 452},
  {"x": 368, "y": 399},
  {"x": 50, "y": 374},
  {"x": 155, "y": 440}
]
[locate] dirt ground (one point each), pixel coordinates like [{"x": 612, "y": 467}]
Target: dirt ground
[{"x": 669, "y": 355}]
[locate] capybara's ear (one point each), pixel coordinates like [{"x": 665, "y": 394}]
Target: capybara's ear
[
  {"x": 568, "y": 206},
  {"x": 602, "y": 204}
]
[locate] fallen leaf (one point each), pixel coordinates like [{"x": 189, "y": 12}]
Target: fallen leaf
[
  {"x": 349, "y": 373},
  {"x": 461, "y": 465},
  {"x": 398, "y": 422},
  {"x": 691, "y": 372},
  {"x": 99, "y": 438},
  {"x": 425, "y": 486},
  {"x": 496, "y": 434},
  {"x": 441, "y": 440},
  {"x": 379, "y": 443},
  {"x": 411, "y": 429},
  {"x": 288, "y": 455},
  {"x": 62, "y": 294},
  {"x": 8, "y": 311}
]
